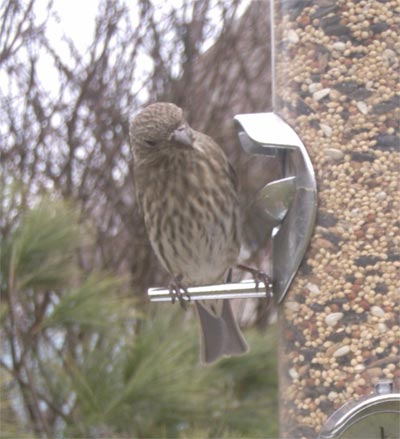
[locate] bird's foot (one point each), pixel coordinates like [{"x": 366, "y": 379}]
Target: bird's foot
[
  {"x": 259, "y": 276},
  {"x": 179, "y": 291}
]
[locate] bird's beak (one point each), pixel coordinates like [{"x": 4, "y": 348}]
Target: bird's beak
[{"x": 183, "y": 135}]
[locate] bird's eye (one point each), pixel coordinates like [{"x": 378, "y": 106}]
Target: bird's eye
[{"x": 150, "y": 142}]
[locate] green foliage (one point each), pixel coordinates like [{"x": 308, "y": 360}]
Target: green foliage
[
  {"x": 40, "y": 251},
  {"x": 81, "y": 305},
  {"x": 8, "y": 428},
  {"x": 80, "y": 360},
  {"x": 155, "y": 387}
]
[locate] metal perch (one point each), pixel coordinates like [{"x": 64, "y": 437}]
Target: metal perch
[{"x": 247, "y": 289}]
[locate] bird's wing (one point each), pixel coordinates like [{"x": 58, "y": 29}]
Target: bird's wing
[{"x": 138, "y": 196}]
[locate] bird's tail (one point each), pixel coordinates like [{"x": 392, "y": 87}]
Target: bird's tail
[{"x": 220, "y": 334}]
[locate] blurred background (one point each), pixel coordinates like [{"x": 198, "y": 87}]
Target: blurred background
[{"x": 83, "y": 354}]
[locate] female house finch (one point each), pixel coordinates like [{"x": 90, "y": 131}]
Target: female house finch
[{"x": 186, "y": 191}]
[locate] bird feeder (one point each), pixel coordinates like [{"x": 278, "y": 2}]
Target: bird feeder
[
  {"x": 336, "y": 254},
  {"x": 335, "y": 69}
]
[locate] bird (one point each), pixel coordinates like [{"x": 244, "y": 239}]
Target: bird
[{"x": 187, "y": 193}]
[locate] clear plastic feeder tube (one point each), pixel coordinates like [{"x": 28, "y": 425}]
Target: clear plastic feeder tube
[{"x": 336, "y": 76}]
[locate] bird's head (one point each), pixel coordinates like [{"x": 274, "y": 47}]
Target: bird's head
[{"x": 159, "y": 126}]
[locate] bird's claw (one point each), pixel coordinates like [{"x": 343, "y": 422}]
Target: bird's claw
[
  {"x": 179, "y": 291},
  {"x": 260, "y": 276}
]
